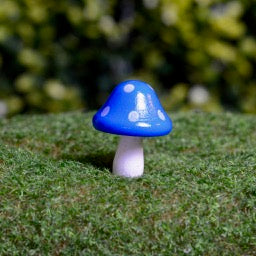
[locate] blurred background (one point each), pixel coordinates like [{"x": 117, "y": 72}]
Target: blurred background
[{"x": 69, "y": 54}]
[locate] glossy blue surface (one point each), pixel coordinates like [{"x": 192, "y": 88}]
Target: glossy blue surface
[{"x": 133, "y": 109}]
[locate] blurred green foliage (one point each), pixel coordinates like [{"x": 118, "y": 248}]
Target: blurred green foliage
[{"x": 69, "y": 54}]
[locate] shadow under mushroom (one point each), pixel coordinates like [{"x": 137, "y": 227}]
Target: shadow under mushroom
[{"x": 97, "y": 159}]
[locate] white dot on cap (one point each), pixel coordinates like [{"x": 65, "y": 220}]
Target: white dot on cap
[
  {"x": 142, "y": 124},
  {"x": 160, "y": 115},
  {"x": 129, "y": 88},
  {"x": 105, "y": 111},
  {"x": 133, "y": 116}
]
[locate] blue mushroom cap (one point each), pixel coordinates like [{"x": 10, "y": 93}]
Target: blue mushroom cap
[{"x": 133, "y": 109}]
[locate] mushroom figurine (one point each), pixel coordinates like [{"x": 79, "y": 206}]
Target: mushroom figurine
[{"x": 132, "y": 111}]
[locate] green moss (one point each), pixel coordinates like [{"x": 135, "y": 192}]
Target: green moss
[{"x": 197, "y": 196}]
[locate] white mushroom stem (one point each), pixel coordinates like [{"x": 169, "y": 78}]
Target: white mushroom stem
[{"x": 129, "y": 158}]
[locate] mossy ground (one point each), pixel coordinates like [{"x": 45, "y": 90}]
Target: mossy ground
[{"x": 197, "y": 196}]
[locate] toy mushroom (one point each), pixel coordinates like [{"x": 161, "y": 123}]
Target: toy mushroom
[{"x": 133, "y": 111}]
